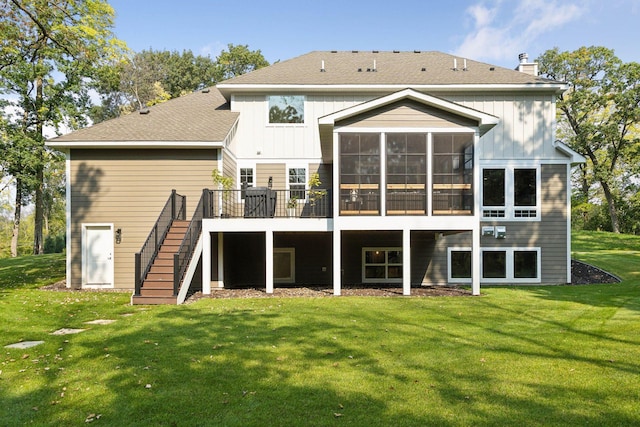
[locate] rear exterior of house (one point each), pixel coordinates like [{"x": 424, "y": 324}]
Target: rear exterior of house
[{"x": 434, "y": 170}]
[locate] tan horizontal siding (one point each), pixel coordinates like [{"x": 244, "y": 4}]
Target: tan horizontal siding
[
  {"x": 554, "y": 224},
  {"x": 230, "y": 168},
  {"x": 407, "y": 114},
  {"x": 275, "y": 170},
  {"x": 129, "y": 188}
]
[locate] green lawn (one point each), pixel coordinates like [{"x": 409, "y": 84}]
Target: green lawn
[{"x": 527, "y": 356}]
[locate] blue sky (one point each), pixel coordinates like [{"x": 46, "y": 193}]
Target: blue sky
[{"x": 494, "y": 31}]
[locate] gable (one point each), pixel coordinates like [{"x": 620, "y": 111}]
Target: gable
[{"x": 407, "y": 113}]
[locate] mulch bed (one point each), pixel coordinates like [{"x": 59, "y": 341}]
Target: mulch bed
[{"x": 581, "y": 273}]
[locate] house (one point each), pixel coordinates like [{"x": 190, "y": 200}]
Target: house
[{"x": 434, "y": 170}]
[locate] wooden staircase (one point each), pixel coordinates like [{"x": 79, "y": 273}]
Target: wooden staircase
[{"x": 157, "y": 287}]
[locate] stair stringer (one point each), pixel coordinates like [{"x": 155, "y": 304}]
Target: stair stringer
[{"x": 191, "y": 269}]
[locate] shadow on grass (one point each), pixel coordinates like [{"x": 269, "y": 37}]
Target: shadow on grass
[{"x": 326, "y": 362}]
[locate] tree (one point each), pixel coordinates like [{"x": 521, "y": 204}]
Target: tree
[
  {"x": 598, "y": 117},
  {"x": 238, "y": 60},
  {"x": 150, "y": 77},
  {"x": 51, "y": 51}
]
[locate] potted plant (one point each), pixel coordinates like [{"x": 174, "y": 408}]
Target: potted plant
[{"x": 292, "y": 207}]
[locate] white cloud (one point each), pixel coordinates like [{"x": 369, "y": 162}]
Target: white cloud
[{"x": 504, "y": 29}]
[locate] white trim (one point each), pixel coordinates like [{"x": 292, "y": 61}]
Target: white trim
[
  {"x": 458, "y": 279},
  {"x": 191, "y": 270},
  {"x": 386, "y": 264},
  {"x": 568, "y": 184},
  {"x": 509, "y": 277},
  {"x": 297, "y": 165},
  {"x": 268, "y": 242},
  {"x": 292, "y": 266},
  {"x": 509, "y": 207},
  {"x": 568, "y": 151},
  {"x": 225, "y": 89},
  {"x": 353, "y": 129},
  {"x": 485, "y": 121},
  {"x": 67, "y": 197},
  {"x": 85, "y": 226},
  {"x": 135, "y": 144},
  {"x": 288, "y": 125}
]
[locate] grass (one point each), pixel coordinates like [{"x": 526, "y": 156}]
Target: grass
[{"x": 530, "y": 356}]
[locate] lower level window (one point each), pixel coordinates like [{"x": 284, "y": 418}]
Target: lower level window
[
  {"x": 284, "y": 262},
  {"x": 381, "y": 265},
  {"x": 460, "y": 264},
  {"x": 498, "y": 265},
  {"x": 511, "y": 265}
]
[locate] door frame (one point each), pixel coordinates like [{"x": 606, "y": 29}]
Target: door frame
[{"x": 85, "y": 267}]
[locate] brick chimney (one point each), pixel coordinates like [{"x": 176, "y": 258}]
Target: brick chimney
[{"x": 525, "y": 66}]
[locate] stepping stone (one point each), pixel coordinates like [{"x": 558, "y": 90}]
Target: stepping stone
[
  {"x": 67, "y": 331},
  {"x": 100, "y": 322},
  {"x": 24, "y": 344}
]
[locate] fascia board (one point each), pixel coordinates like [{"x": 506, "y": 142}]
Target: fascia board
[
  {"x": 569, "y": 152},
  {"x": 135, "y": 144},
  {"x": 227, "y": 89},
  {"x": 483, "y": 118}
]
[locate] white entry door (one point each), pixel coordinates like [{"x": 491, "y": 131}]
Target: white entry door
[{"x": 97, "y": 255}]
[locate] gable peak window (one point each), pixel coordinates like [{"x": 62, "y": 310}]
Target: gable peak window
[{"x": 286, "y": 109}]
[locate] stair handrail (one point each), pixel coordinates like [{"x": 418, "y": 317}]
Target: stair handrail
[
  {"x": 174, "y": 208},
  {"x": 183, "y": 255}
]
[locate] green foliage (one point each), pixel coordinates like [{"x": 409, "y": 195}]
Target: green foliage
[
  {"x": 599, "y": 118},
  {"x": 534, "y": 355},
  {"x": 54, "y": 244},
  {"x": 237, "y": 60},
  {"x": 51, "y": 51}
]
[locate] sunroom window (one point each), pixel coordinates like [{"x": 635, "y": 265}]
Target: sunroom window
[
  {"x": 359, "y": 173},
  {"x": 452, "y": 174},
  {"x": 406, "y": 155}
]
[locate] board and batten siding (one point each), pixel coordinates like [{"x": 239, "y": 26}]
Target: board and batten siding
[
  {"x": 284, "y": 141},
  {"x": 526, "y": 128},
  {"x": 129, "y": 188}
]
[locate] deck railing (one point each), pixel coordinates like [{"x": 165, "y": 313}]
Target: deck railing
[
  {"x": 175, "y": 208},
  {"x": 268, "y": 203},
  {"x": 184, "y": 254}
]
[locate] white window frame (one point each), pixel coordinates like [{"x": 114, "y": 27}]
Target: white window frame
[
  {"x": 450, "y": 278},
  {"x": 240, "y": 166},
  {"x": 386, "y": 264},
  {"x": 509, "y": 252},
  {"x": 306, "y": 180},
  {"x": 304, "y": 110},
  {"x": 292, "y": 268},
  {"x": 509, "y": 207},
  {"x": 510, "y": 259}
]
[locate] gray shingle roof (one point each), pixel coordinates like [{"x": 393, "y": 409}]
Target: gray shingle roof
[
  {"x": 198, "y": 116},
  {"x": 391, "y": 68}
]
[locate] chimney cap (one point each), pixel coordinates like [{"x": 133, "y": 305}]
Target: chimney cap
[{"x": 523, "y": 58}]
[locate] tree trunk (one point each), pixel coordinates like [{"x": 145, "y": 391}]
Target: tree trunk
[
  {"x": 613, "y": 214},
  {"x": 16, "y": 219},
  {"x": 39, "y": 193}
]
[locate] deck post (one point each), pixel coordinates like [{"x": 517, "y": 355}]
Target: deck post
[
  {"x": 475, "y": 261},
  {"x": 206, "y": 262},
  {"x": 337, "y": 271},
  {"x": 268, "y": 246},
  {"x": 406, "y": 262}
]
